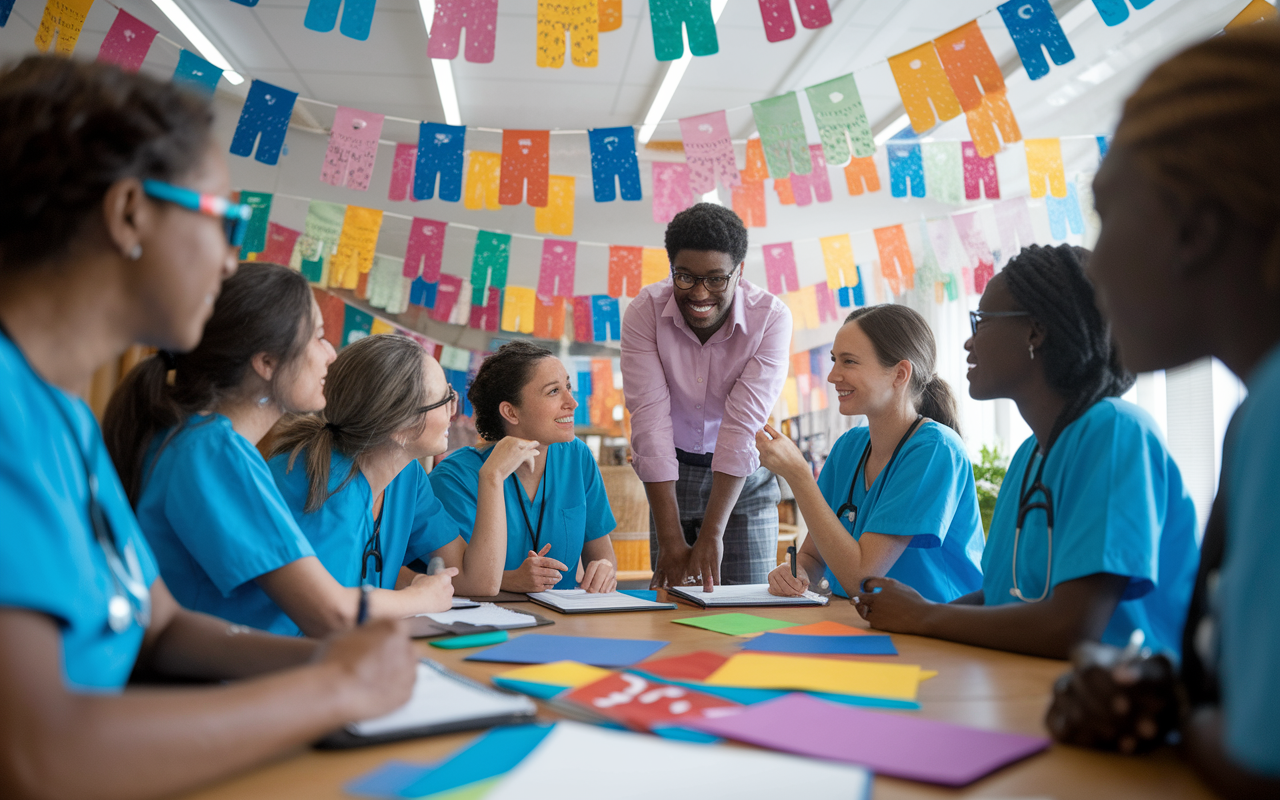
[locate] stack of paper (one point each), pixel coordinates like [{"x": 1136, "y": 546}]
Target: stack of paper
[
  {"x": 580, "y": 601},
  {"x": 484, "y": 615}
]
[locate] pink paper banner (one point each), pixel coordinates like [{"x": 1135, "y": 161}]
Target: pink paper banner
[
  {"x": 447, "y": 293},
  {"x": 402, "y": 172},
  {"x": 942, "y": 235},
  {"x": 486, "y": 317},
  {"x": 816, "y": 185},
  {"x": 981, "y": 261},
  {"x": 1013, "y": 222},
  {"x": 425, "y": 252},
  {"x": 671, "y": 192},
  {"x": 478, "y": 17},
  {"x": 555, "y": 277},
  {"x": 708, "y": 149},
  {"x": 979, "y": 174},
  {"x": 583, "y": 331},
  {"x": 780, "y": 268},
  {"x": 826, "y": 302},
  {"x": 280, "y": 242},
  {"x": 353, "y": 147},
  {"x": 127, "y": 42},
  {"x": 780, "y": 25}
]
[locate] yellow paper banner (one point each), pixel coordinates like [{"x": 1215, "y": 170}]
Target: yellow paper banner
[
  {"x": 926, "y": 93},
  {"x": 355, "y": 251},
  {"x": 518, "y": 309},
  {"x": 556, "y": 217},
  {"x": 381, "y": 327},
  {"x": 654, "y": 265},
  {"x": 1256, "y": 11},
  {"x": 1044, "y": 167},
  {"x": 580, "y": 18},
  {"x": 804, "y": 308},
  {"x": 66, "y": 19},
  {"x": 837, "y": 253},
  {"x": 483, "y": 172}
]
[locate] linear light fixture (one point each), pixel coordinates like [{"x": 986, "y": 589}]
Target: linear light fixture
[
  {"x": 443, "y": 69},
  {"x": 197, "y": 38},
  {"x": 675, "y": 71}
]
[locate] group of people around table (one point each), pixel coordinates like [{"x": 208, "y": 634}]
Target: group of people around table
[{"x": 165, "y": 549}]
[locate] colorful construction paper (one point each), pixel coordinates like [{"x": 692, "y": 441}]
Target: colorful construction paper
[
  {"x": 669, "y": 17},
  {"x": 980, "y": 176},
  {"x": 518, "y": 309},
  {"x": 402, "y": 172},
  {"x": 671, "y": 192},
  {"x": 255, "y": 235},
  {"x": 1034, "y": 28},
  {"x": 654, "y": 265},
  {"x": 483, "y": 173},
  {"x": 896, "y": 264},
  {"x": 780, "y": 268},
  {"x": 555, "y": 274},
  {"x": 440, "y": 152},
  {"x": 926, "y": 93},
  {"x": 1256, "y": 11},
  {"x": 356, "y": 325},
  {"x": 561, "y": 674},
  {"x": 943, "y": 172},
  {"x": 1064, "y": 213},
  {"x": 734, "y": 624},
  {"x": 782, "y": 135},
  {"x": 127, "y": 42},
  {"x": 823, "y": 645},
  {"x": 899, "y": 746},
  {"x": 62, "y": 20},
  {"x": 389, "y": 779},
  {"x": 860, "y": 174},
  {"x": 757, "y": 168},
  {"x": 610, "y": 15},
  {"x": 1013, "y": 221},
  {"x": 525, "y": 157},
  {"x": 196, "y": 74},
  {"x": 278, "y": 246},
  {"x": 543, "y": 648},
  {"x": 548, "y": 318},
  {"x": 780, "y": 25},
  {"x": 696, "y": 666},
  {"x": 613, "y": 161},
  {"x": 642, "y": 704},
  {"x": 606, "y": 320},
  {"x": 969, "y": 65},
  {"x": 480, "y": 20},
  {"x": 841, "y": 120},
  {"x": 448, "y": 290},
  {"x": 906, "y": 166},
  {"x": 837, "y": 257},
  {"x": 816, "y": 185},
  {"x": 354, "y": 254},
  {"x": 353, "y": 148},
  {"x": 485, "y": 316},
  {"x": 1044, "y": 167},
  {"x": 826, "y": 627},
  {"x": 556, "y": 217},
  {"x": 581, "y": 20},
  {"x": 992, "y": 122},
  {"x": 492, "y": 755},
  {"x": 489, "y": 263},
  {"x": 708, "y": 150},
  {"x": 357, "y": 17},
  {"x": 624, "y": 270},
  {"x": 425, "y": 251},
  {"x": 783, "y": 187},
  {"x": 583, "y": 331},
  {"x": 747, "y": 200},
  {"x": 866, "y": 679},
  {"x": 422, "y": 293},
  {"x": 264, "y": 122}
]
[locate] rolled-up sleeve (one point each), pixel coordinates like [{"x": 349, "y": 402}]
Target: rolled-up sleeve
[
  {"x": 644, "y": 387},
  {"x": 753, "y": 396}
]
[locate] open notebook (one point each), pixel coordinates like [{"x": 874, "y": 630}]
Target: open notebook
[
  {"x": 752, "y": 594},
  {"x": 442, "y": 702},
  {"x": 580, "y": 601}
]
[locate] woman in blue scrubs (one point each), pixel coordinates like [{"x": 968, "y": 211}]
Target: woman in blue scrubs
[
  {"x": 1094, "y": 534},
  {"x": 352, "y": 477},
  {"x": 100, "y": 247},
  {"x": 896, "y": 496},
  {"x": 1187, "y": 266},
  {"x": 225, "y": 539},
  {"x": 557, "y": 514}
]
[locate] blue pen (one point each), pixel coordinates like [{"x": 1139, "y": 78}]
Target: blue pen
[{"x": 362, "y": 611}]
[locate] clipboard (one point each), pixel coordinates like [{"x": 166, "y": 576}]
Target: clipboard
[{"x": 743, "y": 596}]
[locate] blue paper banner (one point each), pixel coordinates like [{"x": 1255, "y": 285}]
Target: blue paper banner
[
  {"x": 423, "y": 293},
  {"x": 1064, "y": 212},
  {"x": 439, "y": 153},
  {"x": 195, "y": 73},
  {"x": 605, "y": 320},
  {"x": 357, "y": 17},
  {"x": 1032, "y": 25},
  {"x": 906, "y": 165},
  {"x": 266, "y": 113},
  {"x": 613, "y": 155}
]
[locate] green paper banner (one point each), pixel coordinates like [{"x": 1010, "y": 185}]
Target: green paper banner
[
  {"x": 782, "y": 135},
  {"x": 489, "y": 265},
  {"x": 837, "y": 109},
  {"x": 255, "y": 236},
  {"x": 356, "y": 325},
  {"x": 943, "y": 171}
]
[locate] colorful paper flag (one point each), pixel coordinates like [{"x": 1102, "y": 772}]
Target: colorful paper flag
[
  {"x": 1013, "y": 221},
  {"x": 425, "y": 252},
  {"x": 333, "y": 312},
  {"x": 582, "y": 414},
  {"x": 525, "y": 157},
  {"x": 583, "y": 331},
  {"x": 673, "y": 19},
  {"x": 837, "y": 255},
  {"x": 356, "y": 245},
  {"x": 278, "y": 248},
  {"x": 356, "y": 325},
  {"x": 518, "y": 309},
  {"x": 896, "y": 264},
  {"x": 803, "y": 304},
  {"x": 402, "y": 172},
  {"x": 485, "y": 317},
  {"x": 981, "y": 260},
  {"x": 483, "y": 171},
  {"x": 1114, "y": 12},
  {"x": 852, "y": 296},
  {"x": 1104, "y": 142},
  {"x": 556, "y": 217},
  {"x": 780, "y": 268},
  {"x": 708, "y": 150},
  {"x": 478, "y": 17},
  {"x": 991, "y": 122},
  {"x": 606, "y": 323},
  {"x": 816, "y": 185},
  {"x": 1063, "y": 213},
  {"x": 1034, "y": 28},
  {"x": 943, "y": 173},
  {"x": 906, "y": 165},
  {"x": 941, "y": 235},
  {"x": 780, "y": 25},
  {"x": 320, "y": 234},
  {"x": 748, "y": 203},
  {"x": 489, "y": 264},
  {"x": 422, "y": 293},
  {"x": 63, "y": 19},
  {"x": 196, "y": 74},
  {"x": 610, "y": 15},
  {"x": 127, "y": 42},
  {"x": 757, "y": 169},
  {"x": 926, "y": 92},
  {"x": 255, "y": 235},
  {"x": 357, "y": 17},
  {"x": 654, "y": 265},
  {"x": 826, "y": 303},
  {"x": 548, "y": 318},
  {"x": 1256, "y": 11},
  {"x": 783, "y": 187},
  {"x": 6, "y": 7},
  {"x": 782, "y": 135},
  {"x": 980, "y": 176},
  {"x": 448, "y": 290},
  {"x": 353, "y": 147},
  {"x": 613, "y": 156},
  {"x": 581, "y": 19},
  {"x": 928, "y": 278},
  {"x": 624, "y": 271},
  {"x": 1044, "y": 167},
  {"x": 841, "y": 120},
  {"x": 388, "y": 287},
  {"x": 440, "y": 152},
  {"x": 671, "y": 192},
  {"x": 860, "y": 173},
  {"x": 967, "y": 60},
  {"x": 555, "y": 275},
  {"x": 266, "y": 114}
]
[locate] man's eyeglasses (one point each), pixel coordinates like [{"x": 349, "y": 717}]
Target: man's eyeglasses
[
  {"x": 714, "y": 283},
  {"x": 449, "y": 399},
  {"x": 978, "y": 316},
  {"x": 235, "y": 216}
]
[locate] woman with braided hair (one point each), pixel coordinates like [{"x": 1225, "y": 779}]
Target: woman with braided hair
[{"x": 1093, "y": 535}]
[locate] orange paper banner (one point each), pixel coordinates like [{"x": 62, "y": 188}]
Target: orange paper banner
[
  {"x": 757, "y": 168},
  {"x": 896, "y": 264},
  {"x": 654, "y": 265},
  {"x": 624, "y": 270},
  {"x": 610, "y": 14},
  {"x": 748, "y": 202},
  {"x": 785, "y": 195},
  {"x": 860, "y": 172},
  {"x": 926, "y": 92},
  {"x": 968, "y": 62},
  {"x": 548, "y": 318},
  {"x": 992, "y": 121}
]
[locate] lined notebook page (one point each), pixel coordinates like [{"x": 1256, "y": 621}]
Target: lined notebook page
[
  {"x": 582, "y": 600},
  {"x": 754, "y": 593}
]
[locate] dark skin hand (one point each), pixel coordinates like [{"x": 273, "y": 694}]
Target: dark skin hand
[{"x": 1077, "y": 610}]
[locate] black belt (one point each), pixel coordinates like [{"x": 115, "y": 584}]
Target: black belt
[{"x": 694, "y": 459}]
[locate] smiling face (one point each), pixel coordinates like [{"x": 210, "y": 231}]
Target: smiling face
[
  {"x": 433, "y": 437},
  {"x": 999, "y": 359},
  {"x": 702, "y": 309},
  {"x": 545, "y": 411},
  {"x": 863, "y": 385},
  {"x": 301, "y": 386}
]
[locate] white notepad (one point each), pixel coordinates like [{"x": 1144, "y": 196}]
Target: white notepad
[
  {"x": 484, "y": 614},
  {"x": 462, "y": 602},
  {"x": 441, "y": 700},
  {"x": 580, "y": 601},
  {"x": 583, "y": 762},
  {"x": 751, "y": 594}
]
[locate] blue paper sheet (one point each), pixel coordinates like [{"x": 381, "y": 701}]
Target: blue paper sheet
[
  {"x": 823, "y": 645},
  {"x": 496, "y": 753},
  {"x": 643, "y": 594},
  {"x": 541, "y": 648},
  {"x": 389, "y": 779}
]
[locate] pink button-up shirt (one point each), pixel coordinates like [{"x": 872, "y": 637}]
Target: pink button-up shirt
[{"x": 701, "y": 397}]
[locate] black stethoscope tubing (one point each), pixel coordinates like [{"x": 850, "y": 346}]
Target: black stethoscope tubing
[{"x": 849, "y": 507}]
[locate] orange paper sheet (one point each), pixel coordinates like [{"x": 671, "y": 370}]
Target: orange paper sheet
[
  {"x": 992, "y": 121},
  {"x": 968, "y": 63},
  {"x": 860, "y": 172},
  {"x": 926, "y": 93},
  {"x": 654, "y": 265}
]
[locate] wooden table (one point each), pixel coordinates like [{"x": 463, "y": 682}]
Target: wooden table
[{"x": 981, "y": 688}]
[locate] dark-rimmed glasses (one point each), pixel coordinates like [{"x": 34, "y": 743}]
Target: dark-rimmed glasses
[
  {"x": 451, "y": 397},
  {"x": 978, "y": 316},
  {"x": 714, "y": 283}
]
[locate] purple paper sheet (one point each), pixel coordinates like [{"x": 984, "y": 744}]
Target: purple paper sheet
[
  {"x": 866, "y": 645},
  {"x": 896, "y": 745}
]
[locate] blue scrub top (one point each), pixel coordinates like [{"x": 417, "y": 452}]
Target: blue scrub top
[
  {"x": 215, "y": 519},
  {"x": 50, "y": 561},
  {"x": 1119, "y": 507},
  {"x": 577, "y": 509},
  {"x": 1248, "y": 597},
  {"x": 414, "y": 524},
  {"x": 927, "y": 494}
]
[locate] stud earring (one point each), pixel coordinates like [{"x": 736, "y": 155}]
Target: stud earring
[
  {"x": 135, "y": 252},
  {"x": 1031, "y": 349},
  {"x": 262, "y": 401}
]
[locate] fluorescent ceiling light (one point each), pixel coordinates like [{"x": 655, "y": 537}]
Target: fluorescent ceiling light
[
  {"x": 443, "y": 69},
  {"x": 197, "y": 38},
  {"x": 891, "y": 129},
  {"x": 675, "y": 71}
]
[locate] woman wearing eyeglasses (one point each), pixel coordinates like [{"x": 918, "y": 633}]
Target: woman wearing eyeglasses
[
  {"x": 1094, "y": 534},
  {"x": 555, "y": 507},
  {"x": 91, "y": 261},
  {"x": 351, "y": 475}
]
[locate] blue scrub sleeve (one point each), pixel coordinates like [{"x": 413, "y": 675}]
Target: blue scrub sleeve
[
  {"x": 923, "y": 490},
  {"x": 1110, "y": 511},
  {"x": 433, "y": 527},
  {"x": 225, "y": 508},
  {"x": 456, "y": 486},
  {"x": 600, "y": 519}
]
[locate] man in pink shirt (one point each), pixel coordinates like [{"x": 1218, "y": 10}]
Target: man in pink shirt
[{"x": 704, "y": 358}]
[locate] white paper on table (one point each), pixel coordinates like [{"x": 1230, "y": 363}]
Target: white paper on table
[
  {"x": 756, "y": 593},
  {"x": 484, "y": 614},
  {"x": 582, "y": 600},
  {"x": 584, "y": 762},
  {"x": 440, "y": 697}
]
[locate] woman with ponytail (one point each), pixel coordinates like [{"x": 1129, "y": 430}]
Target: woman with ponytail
[
  {"x": 897, "y": 496},
  {"x": 351, "y": 474},
  {"x": 1093, "y": 535}
]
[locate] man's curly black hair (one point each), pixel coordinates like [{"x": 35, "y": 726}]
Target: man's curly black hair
[{"x": 707, "y": 226}]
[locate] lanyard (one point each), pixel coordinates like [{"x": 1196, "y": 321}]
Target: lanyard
[
  {"x": 850, "y": 511},
  {"x": 534, "y": 534}
]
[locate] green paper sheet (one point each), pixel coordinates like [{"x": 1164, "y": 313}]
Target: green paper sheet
[
  {"x": 321, "y": 231},
  {"x": 735, "y": 624},
  {"x": 470, "y": 640},
  {"x": 255, "y": 235},
  {"x": 489, "y": 265},
  {"x": 837, "y": 109},
  {"x": 782, "y": 135},
  {"x": 943, "y": 171}
]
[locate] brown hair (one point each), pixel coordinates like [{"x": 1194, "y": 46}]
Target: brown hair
[
  {"x": 263, "y": 308},
  {"x": 374, "y": 389},
  {"x": 500, "y": 379},
  {"x": 1206, "y": 125},
  {"x": 900, "y": 334},
  {"x": 69, "y": 129}
]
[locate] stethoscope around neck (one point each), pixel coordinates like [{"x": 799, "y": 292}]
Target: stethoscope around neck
[
  {"x": 848, "y": 510},
  {"x": 1025, "y": 507}
]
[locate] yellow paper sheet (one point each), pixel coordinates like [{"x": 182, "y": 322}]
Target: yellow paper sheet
[
  {"x": 761, "y": 671},
  {"x": 64, "y": 18},
  {"x": 580, "y": 18},
  {"x": 518, "y": 309},
  {"x": 355, "y": 251},
  {"x": 926, "y": 93},
  {"x": 558, "y": 673},
  {"x": 1044, "y": 167},
  {"x": 556, "y": 217},
  {"x": 837, "y": 253},
  {"x": 381, "y": 327},
  {"x": 653, "y": 265},
  {"x": 483, "y": 173}
]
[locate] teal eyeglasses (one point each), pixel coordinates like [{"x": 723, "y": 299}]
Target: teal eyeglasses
[{"x": 235, "y": 216}]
